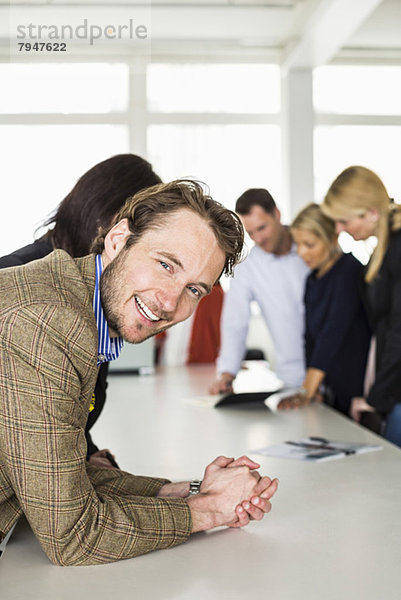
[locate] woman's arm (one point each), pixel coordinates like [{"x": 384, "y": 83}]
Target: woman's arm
[{"x": 386, "y": 390}]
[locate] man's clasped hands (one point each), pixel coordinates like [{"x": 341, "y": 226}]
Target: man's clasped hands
[{"x": 232, "y": 494}]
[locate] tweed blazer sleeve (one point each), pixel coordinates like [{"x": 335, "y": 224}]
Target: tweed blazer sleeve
[{"x": 81, "y": 515}]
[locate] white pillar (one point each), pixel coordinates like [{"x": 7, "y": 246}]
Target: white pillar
[
  {"x": 297, "y": 140},
  {"x": 137, "y": 107}
]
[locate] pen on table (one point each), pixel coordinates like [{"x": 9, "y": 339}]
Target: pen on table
[
  {"x": 111, "y": 459},
  {"x": 320, "y": 447},
  {"x": 325, "y": 442}
]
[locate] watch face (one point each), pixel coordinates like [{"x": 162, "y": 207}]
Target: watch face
[{"x": 194, "y": 487}]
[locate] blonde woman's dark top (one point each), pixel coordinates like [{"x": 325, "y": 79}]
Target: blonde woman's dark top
[{"x": 337, "y": 334}]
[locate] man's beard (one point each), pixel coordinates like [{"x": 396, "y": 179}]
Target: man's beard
[
  {"x": 110, "y": 285},
  {"x": 109, "y": 292}
]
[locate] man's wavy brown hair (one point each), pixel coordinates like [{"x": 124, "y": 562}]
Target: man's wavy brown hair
[{"x": 148, "y": 208}]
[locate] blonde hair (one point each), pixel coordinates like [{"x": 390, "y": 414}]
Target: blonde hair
[
  {"x": 355, "y": 191},
  {"x": 312, "y": 219}
]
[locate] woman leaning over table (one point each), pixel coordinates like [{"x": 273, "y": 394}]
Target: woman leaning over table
[
  {"x": 359, "y": 203},
  {"x": 337, "y": 333}
]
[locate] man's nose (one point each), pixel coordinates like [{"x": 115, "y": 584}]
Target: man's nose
[
  {"x": 169, "y": 296},
  {"x": 257, "y": 238}
]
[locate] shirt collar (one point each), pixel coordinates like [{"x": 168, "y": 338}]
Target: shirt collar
[{"x": 108, "y": 348}]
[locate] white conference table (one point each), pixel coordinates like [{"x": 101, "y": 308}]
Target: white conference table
[{"x": 334, "y": 531}]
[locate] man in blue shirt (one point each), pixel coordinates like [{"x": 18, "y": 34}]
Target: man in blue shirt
[{"x": 273, "y": 275}]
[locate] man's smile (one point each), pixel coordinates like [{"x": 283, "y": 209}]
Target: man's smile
[{"x": 145, "y": 310}]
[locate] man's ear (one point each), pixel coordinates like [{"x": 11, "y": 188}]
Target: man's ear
[
  {"x": 115, "y": 240},
  {"x": 277, "y": 214}
]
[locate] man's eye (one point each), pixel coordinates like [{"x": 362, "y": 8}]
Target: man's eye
[
  {"x": 194, "y": 291},
  {"x": 165, "y": 265}
]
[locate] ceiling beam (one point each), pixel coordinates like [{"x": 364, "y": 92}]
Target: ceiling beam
[{"x": 323, "y": 27}]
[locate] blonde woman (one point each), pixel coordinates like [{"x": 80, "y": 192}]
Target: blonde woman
[
  {"x": 337, "y": 334},
  {"x": 359, "y": 203}
]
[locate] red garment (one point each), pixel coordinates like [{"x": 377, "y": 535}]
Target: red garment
[{"x": 204, "y": 344}]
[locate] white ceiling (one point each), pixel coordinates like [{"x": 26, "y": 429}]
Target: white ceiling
[{"x": 295, "y": 33}]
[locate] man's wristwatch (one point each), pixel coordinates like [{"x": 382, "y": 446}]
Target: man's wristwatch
[{"x": 194, "y": 487}]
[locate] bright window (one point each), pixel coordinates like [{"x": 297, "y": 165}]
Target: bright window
[
  {"x": 357, "y": 90},
  {"x": 375, "y": 147},
  {"x": 228, "y": 158},
  {"x": 224, "y": 88},
  {"x": 43, "y": 164},
  {"x": 63, "y": 88}
]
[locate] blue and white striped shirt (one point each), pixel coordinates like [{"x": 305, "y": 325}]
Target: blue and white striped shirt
[{"x": 108, "y": 348}]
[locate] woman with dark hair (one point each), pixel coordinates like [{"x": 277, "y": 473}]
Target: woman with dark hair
[{"x": 90, "y": 206}]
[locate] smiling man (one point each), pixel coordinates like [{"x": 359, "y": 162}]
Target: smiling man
[
  {"x": 60, "y": 318},
  {"x": 161, "y": 278}
]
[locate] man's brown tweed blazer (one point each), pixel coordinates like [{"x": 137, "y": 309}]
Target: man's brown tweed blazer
[{"x": 80, "y": 514}]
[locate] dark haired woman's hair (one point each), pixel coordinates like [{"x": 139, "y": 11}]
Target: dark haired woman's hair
[{"x": 95, "y": 199}]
